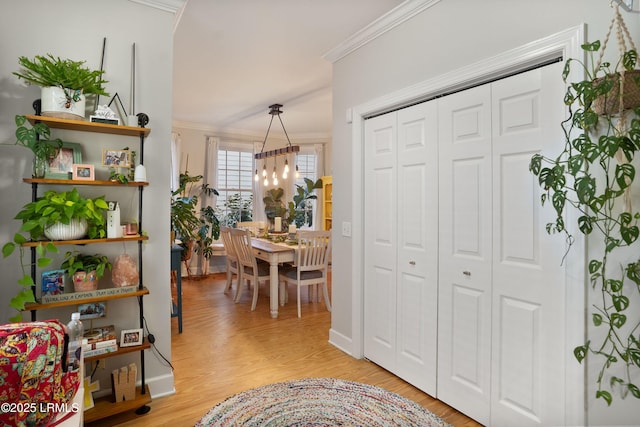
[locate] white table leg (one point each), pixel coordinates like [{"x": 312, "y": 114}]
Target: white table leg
[{"x": 273, "y": 287}]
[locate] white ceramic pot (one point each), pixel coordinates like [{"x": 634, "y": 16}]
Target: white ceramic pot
[
  {"x": 62, "y": 103},
  {"x": 74, "y": 230}
]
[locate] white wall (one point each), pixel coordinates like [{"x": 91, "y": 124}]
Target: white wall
[
  {"x": 448, "y": 36},
  {"x": 75, "y": 29}
]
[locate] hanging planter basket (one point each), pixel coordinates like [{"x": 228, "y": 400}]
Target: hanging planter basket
[{"x": 610, "y": 103}]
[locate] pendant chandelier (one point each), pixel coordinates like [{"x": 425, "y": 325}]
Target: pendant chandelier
[{"x": 274, "y": 110}]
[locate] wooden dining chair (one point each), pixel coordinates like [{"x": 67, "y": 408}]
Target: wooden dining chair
[
  {"x": 250, "y": 270},
  {"x": 231, "y": 262},
  {"x": 312, "y": 263}
]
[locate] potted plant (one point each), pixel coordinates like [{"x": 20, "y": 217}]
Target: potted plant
[
  {"x": 49, "y": 214},
  {"x": 299, "y": 209},
  {"x": 85, "y": 269},
  {"x": 594, "y": 175},
  {"x": 36, "y": 138},
  {"x": 274, "y": 206},
  {"x": 40, "y": 215},
  {"x": 64, "y": 84},
  {"x": 196, "y": 228}
]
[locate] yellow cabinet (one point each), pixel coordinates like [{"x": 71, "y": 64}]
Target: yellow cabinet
[{"x": 327, "y": 196}]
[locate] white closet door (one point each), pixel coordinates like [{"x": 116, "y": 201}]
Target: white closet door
[
  {"x": 401, "y": 244},
  {"x": 417, "y": 292},
  {"x": 380, "y": 241},
  {"x": 464, "y": 324},
  {"x": 529, "y": 349}
]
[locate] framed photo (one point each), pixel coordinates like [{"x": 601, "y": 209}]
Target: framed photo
[
  {"x": 92, "y": 310},
  {"x": 53, "y": 282},
  {"x": 61, "y": 165},
  {"x": 130, "y": 337},
  {"x": 84, "y": 172},
  {"x": 116, "y": 158}
]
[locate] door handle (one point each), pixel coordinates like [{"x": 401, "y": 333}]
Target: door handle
[
  {"x": 466, "y": 273},
  {"x": 412, "y": 263}
]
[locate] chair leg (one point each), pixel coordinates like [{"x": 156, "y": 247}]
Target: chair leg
[
  {"x": 299, "y": 310},
  {"x": 227, "y": 288},
  {"x": 326, "y": 296},
  {"x": 256, "y": 286},
  {"x": 240, "y": 284}
]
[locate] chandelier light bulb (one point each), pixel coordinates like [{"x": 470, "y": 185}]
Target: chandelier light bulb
[
  {"x": 284, "y": 175},
  {"x": 286, "y": 168},
  {"x": 264, "y": 170},
  {"x": 256, "y": 178},
  {"x": 297, "y": 172},
  {"x": 274, "y": 174},
  {"x": 275, "y": 181},
  {"x": 266, "y": 182}
]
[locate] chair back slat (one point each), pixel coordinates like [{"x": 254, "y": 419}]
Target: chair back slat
[
  {"x": 314, "y": 249},
  {"x": 225, "y": 233},
  {"x": 244, "y": 251}
]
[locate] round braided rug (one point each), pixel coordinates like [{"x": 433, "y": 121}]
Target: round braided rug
[{"x": 319, "y": 402}]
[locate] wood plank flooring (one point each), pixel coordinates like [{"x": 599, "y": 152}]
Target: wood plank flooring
[{"x": 225, "y": 349}]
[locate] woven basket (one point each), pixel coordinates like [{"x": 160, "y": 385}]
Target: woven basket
[{"x": 610, "y": 104}]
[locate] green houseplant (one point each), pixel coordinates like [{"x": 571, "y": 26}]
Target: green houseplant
[
  {"x": 52, "y": 208},
  {"x": 63, "y": 73},
  {"x": 593, "y": 175},
  {"x": 274, "y": 205},
  {"x": 196, "y": 228},
  {"x": 299, "y": 212},
  {"x": 36, "y": 138},
  {"x": 85, "y": 269},
  {"x": 63, "y": 207},
  {"x": 64, "y": 84}
]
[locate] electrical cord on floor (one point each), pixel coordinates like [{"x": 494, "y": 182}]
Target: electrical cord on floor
[{"x": 152, "y": 340}]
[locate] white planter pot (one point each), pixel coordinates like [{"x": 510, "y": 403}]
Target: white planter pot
[
  {"x": 74, "y": 230},
  {"x": 56, "y": 103}
]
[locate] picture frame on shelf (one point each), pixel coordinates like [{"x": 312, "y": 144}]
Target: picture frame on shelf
[
  {"x": 116, "y": 158},
  {"x": 83, "y": 172},
  {"x": 93, "y": 310},
  {"x": 53, "y": 282},
  {"x": 131, "y": 337},
  {"x": 61, "y": 166}
]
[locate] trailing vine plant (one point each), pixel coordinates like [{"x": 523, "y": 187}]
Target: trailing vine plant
[{"x": 593, "y": 175}]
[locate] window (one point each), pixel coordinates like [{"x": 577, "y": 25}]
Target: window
[
  {"x": 307, "y": 168},
  {"x": 235, "y": 186}
]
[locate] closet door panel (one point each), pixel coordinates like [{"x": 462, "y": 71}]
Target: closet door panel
[
  {"x": 417, "y": 256},
  {"x": 529, "y": 350},
  {"x": 464, "y": 325},
  {"x": 380, "y": 275}
]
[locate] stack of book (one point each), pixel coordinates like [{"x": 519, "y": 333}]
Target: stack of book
[{"x": 100, "y": 340}]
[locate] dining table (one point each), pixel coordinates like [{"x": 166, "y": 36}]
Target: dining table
[{"x": 275, "y": 254}]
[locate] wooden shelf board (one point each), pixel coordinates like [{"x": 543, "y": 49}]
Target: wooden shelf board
[
  {"x": 85, "y": 126},
  {"x": 135, "y": 238},
  {"x": 43, "y": 306},
  {"x": 81, "y": 182},
  {"x": 105, "y": 407},
  {"x": 121, "y": 350}
]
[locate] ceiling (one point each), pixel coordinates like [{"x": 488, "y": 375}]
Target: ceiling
[{"x": 234, "y": 58}]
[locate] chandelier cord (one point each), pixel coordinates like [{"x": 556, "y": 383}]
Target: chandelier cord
[
  {"x": 268, "y": 129},
  {"x": 285, "y": 131}
]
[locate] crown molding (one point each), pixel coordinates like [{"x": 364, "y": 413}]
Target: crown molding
[
  {"x": 386, "y": 22},
  {"x": 245, "y": 135},
  {"x": 173, "y": 6}
]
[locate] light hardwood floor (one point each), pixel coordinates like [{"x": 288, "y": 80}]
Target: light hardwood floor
[{"x": 225, "y": 349}]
